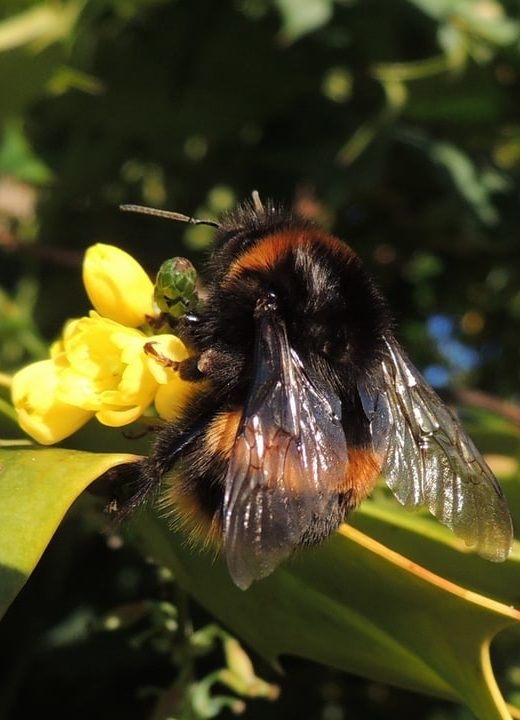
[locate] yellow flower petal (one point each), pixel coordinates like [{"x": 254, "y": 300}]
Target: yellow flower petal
[
  {"x": 166, "y": 348},
  {"x": 40, "y": 413},
  {"x": 103, "y": 368},
  {"x": 114, "y": 416},
  {"x": 173, "y": 397},
  {"x": 173, "y": 393},
  {"x": 118, "y": 287}
]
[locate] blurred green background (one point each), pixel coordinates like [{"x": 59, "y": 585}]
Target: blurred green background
[{"x": 395, "y": 124}]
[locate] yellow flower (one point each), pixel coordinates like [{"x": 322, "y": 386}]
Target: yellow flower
[
  {"x": 40, "y": 413},
  {"x": 118, "y": 287},
  {"x": 103, "y": 368},
  {"x": 173, "y": 392},
  {"x": 172, "y": 397},
  {"x": 165, "y": 350}
]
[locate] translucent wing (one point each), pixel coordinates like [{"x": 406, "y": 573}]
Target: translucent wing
[
  {"x": 289, "y": 452},
  {"x": 431, "y": 462}
]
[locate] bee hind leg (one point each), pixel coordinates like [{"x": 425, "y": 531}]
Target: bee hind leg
[{"x": 127, "y": 487}]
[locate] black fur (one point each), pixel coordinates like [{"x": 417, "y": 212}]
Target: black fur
[{"x": 335, "y": 320}]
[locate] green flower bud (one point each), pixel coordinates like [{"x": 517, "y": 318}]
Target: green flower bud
[{"x": 175, "y": 290}]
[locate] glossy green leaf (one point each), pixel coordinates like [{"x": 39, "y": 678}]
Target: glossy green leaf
[
  {"x": 352, "y": 603},
  {"x": 425, "y": 541},
  {"x": 356, "y": 605},
  {"x": 37, "y": 487}
]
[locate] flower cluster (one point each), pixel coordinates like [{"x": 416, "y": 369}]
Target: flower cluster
[{"x": 102, "y": 365}]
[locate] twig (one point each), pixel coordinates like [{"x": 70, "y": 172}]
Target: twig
[{"x": 479, "y": 399}]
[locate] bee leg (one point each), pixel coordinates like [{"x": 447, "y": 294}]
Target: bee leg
[
  {"x": 131, "y": 485},
  {"x": 163, "y": 360},
  {"x": 189, "y": 370},
  {"x": 126, "y": 487}
]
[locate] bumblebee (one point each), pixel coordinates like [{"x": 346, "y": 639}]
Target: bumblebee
[{"x": 302, "y": 398}]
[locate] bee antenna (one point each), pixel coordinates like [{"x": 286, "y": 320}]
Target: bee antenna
[
  {"x": 168, "y": 214},
  {"x": 257, "y": 203}
]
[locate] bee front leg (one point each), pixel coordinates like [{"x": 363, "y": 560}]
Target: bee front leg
[{"x": 189, "y": 369}]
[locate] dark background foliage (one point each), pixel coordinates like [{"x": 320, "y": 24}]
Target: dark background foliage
[{"x": 393, "y": 124}]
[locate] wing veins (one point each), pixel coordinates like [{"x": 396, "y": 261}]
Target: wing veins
[
  {"x": 431, "y": 462},
  {"x": 289, "y": 448}
]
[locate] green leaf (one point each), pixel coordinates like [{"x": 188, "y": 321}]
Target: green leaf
[
  {"x": 358, "y": 606},
  {"x": 428, "y": 543},
  {"x": 37, "y": 487},
  {"x": 301, "y": 17},
  {"x": 40, "y": 26},
  {"x": 465, "y": 178},
  {"x": 18, "y": 159},
  {"x": 34, "y": 47},
  {"x": 351, "y": 603}
]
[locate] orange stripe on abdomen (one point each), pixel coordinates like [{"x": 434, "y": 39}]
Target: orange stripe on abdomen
[
  {"x": 363, "y": 469},
  {"x": 221, "y": 433}
]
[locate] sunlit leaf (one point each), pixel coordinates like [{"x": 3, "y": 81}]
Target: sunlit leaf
[
  {"x": 358, "y": 606},
  {"x": 303, "y": 16},
  {"x": 425, "y": 541},
  {"x": 45, "y": 23},
  {"x": 352, "y": 603},
  {"x": 37, "y": 487}
]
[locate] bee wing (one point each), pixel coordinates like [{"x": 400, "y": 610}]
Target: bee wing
[
  {"x": 431, "y": 462},
  {"x": 289, "y": 451}
]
